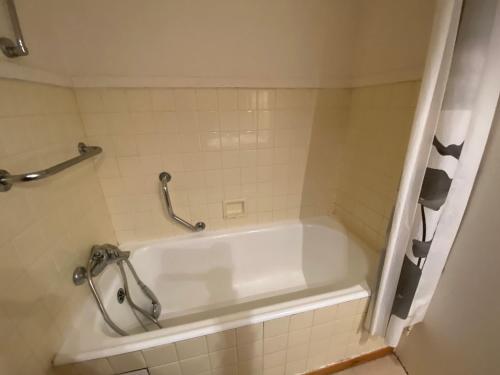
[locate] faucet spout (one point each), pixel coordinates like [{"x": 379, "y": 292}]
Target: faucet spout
[{"x": 103, "y": 255}]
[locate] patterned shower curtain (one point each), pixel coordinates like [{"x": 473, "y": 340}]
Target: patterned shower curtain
[{"x": 442, "y": 161}]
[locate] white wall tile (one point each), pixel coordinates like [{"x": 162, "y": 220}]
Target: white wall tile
[
  {"x": 221, "y": 340},
  {"x": 41, "y": 127},
  {"x": 195, "y": 365},
  {"x": 127, "y": 362},
  {"x": 160, "y": 355},
  {"x": 168, "y": 369},
  {"x": 191, "y": 348}
]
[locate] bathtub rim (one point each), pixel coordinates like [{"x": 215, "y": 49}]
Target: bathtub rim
[
  {"x": 327, "y": 221},
  {"x": 215, "y": 325}
]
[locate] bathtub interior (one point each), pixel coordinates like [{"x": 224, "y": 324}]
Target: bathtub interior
[{"x": 197, "y": 279}]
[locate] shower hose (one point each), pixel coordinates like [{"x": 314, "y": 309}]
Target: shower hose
[{"x": 152, "y": 317}]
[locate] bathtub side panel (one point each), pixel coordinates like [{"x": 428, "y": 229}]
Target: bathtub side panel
[{"x": 302, "y": 342}]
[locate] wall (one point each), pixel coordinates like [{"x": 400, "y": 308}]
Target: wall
[
  {"x": 328, "y": 136},
  {"x": 460, "y": 332},
  {"x": 218, "y": 144},
  {"x": 46, "y": 228},
  {"x": 235, "y": 43},
  {"x": 374, "y": 151},
  {"x": 223, "y": 144},
  {"x": 289, "y": 345},
  {"x": 357, "y": 150},
  {"x": 391, "y": 41}
]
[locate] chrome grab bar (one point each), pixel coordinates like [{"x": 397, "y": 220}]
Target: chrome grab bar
[
  {"x": 165, "y": 178},
  {"x": 7, "y": 179},
  {"x": 8, "y": 47}
]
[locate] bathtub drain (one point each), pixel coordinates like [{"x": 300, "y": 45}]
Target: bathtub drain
[{"x": 120, "y": 295}]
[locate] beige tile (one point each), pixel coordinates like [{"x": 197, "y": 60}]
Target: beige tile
[
  {"x": 168, "y": 369},
  {"x": 231, "y": 370},
  {"x": 185, "y": 99},
  {"x": 206, "y": 99},
  {"x": 249, "y": 333},
  {"x": 302, "y": 320},
  {"x": 223, "y": 358},
  {"x": 250, "y": 350},
  {"x": 247, "y": 99},
  {"x": 363, "y": 305},
  {"x": 337, "y": 352},
  {"x": 276, "y": 327},
  {"x": 343, "y": 325},
  {"x": 250, "y": 367},
  {"x": 275, "y": 344},
  {"x": 160, "y": 355},
  {"x": 299, "y": 337},
  {"x": 227, "y": 99},
  {"x": 315, "y": 362},
  {"x": 321, "y": 331},
  {"x": 64, "y": 370},
  {"x": 139, "y": 100},
  {"x": 296, "y": 367},
  {"x": 266, "y": 99},
  {"x": 274, "y": 359},
  {"x": 324, "y": 315},
  {"x": 221, "y": 340},
  {"x": 192, "y": 347},
  {"x": 319, "y": 354},
  {"x": 94, "y": 367},
  {"x": 127, "y": 362},
  {"x": 297, "y": 352},
  {"x": 195, "y": 366},
  {"x": 347, "y": 309},
  {"x": 163, "y": 99},
  {"x": 278, "y": 370}
]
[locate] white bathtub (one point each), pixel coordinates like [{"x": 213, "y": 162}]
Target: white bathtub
[{"x": 214, "y": 281}]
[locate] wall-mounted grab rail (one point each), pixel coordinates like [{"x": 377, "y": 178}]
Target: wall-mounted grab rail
[
  {"x": 10, "y": 48},
  {"x": 164, "y": 179},
  {"x": 7, "y": 179}
]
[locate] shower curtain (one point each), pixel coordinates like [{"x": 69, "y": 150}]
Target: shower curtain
[{"x": 458, "y": 98}]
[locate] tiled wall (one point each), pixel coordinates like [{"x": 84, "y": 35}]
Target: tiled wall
[
  {"x": 223, "y": 144},
  {"x": 46, "y": 228},
  {"x": 288, "y": 345},
  {"x": 374, "y": 150},
  {"x": 218, "y": 144},
  {"x": 330, "y": 123},
  {"x": 358, "y": 145}
]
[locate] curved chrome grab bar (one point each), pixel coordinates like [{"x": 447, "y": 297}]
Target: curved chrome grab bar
[
  {"x": 7, "y": 179},
  {"x": 8, "y": 47},
  {"x": 165, "y": 177}
]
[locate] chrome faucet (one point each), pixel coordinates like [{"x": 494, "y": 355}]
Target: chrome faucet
[
  {"x": 100, "y": 257},
  {"x": 103, "y": 255}
]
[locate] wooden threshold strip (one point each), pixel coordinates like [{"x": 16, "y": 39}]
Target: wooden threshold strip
[{"x": 337, "y": 367}]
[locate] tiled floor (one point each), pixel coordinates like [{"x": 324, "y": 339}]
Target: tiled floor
[{"x": 388, "y": 365}]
